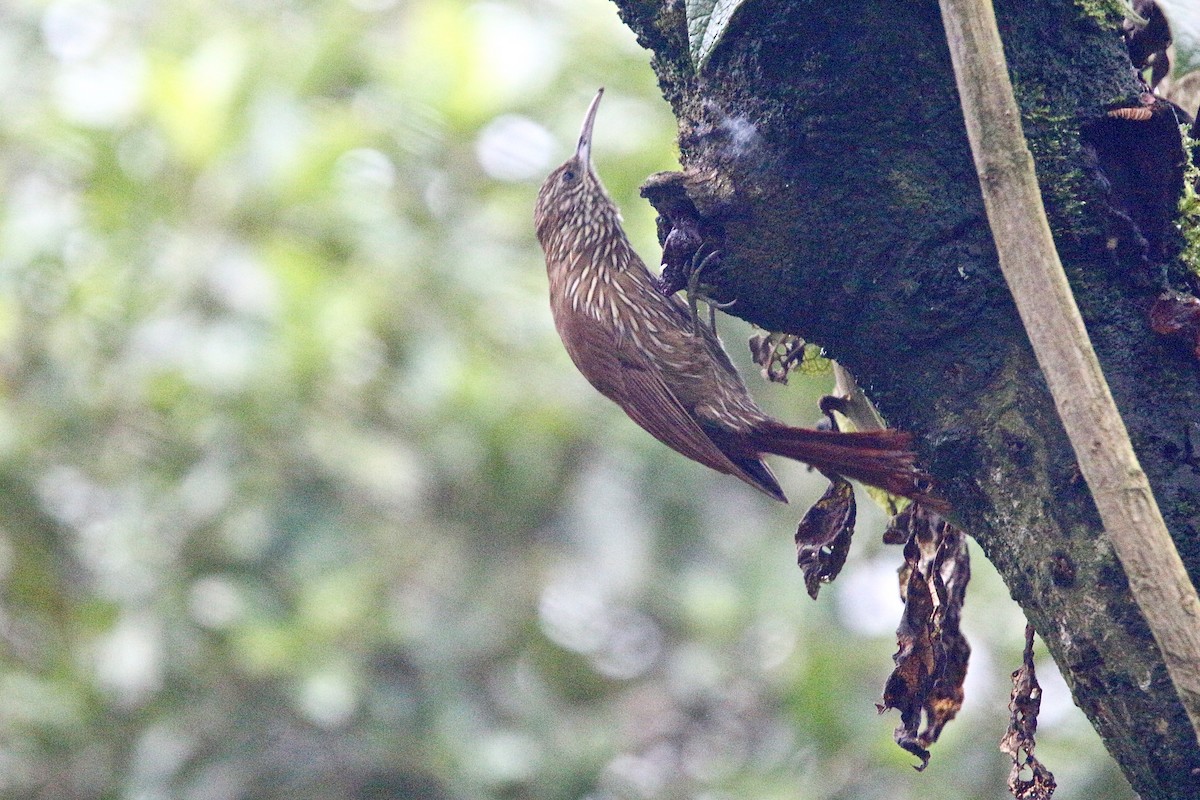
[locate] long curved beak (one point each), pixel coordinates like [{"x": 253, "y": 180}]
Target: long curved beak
[{"x": 583, "y": 151}]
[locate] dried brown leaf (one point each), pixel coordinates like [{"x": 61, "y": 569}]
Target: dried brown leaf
[
  {"x": 926, "y": 685},
  {"x": 1135, "y": 114},
  {"x": 1148, "y": 40},
  {"x": 951, "y": 573},
  {"x": 899, "y": 527},
  {"x": 1177, "y": 314},
  {"x": 1140, "y": 157},
  {"x": 777, "y": 353},
  {"x": 912, "y": 680},
  {"x": 823, "y": 535},
  {"x": 1174, "y": 312},
  {"x": 1018, "y": 741}
]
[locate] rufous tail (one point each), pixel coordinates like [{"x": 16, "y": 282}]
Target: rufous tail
[{"x": 880, "y": 458}]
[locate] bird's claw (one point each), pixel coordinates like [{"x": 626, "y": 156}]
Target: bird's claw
[{"x": 696, "y": 293}]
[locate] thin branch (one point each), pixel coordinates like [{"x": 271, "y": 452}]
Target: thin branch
[{"x": 1157, "y": 578}]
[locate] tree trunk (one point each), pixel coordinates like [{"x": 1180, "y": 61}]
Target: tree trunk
[{"x": 824, "y": 147}]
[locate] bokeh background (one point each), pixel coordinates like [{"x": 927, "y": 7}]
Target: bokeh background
[{"x": 301, "y": 497}]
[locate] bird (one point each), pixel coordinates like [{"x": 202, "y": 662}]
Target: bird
[{"x": 641, "y": 349}]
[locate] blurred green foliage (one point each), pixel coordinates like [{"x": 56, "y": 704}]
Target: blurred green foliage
[{"x": 301, "y": 496}]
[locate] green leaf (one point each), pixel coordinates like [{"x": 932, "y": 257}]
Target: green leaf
[
  {"x": 1184, "y": 16},
  {"x": 707, "y": 21}
]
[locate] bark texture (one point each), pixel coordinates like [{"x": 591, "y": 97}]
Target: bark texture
[{"x": 825, "y": 143}]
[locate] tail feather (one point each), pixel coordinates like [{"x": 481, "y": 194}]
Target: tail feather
[{"x": 880, "y": 458}]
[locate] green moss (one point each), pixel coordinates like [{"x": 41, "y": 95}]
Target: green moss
[
  {"x": 1052, "y": 135},
  {"x": 1189, "y": 208},
  {"x": 1108, "y": 14}
]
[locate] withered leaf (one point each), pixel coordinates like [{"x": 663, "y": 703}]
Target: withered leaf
[
  {"x": 1148, "y": 39},
  {"x": 899, "y": 527},
  {"x": 951, "y": 573},
  {"x": 1135, "y": 114},
  {"x": 1173, "y": 312},
  {"x": 1018, "y": 741},
  {"x": 912, "y": 679},
  {"x": 823, "y": 535},
  {"x": 1141, "y": 160},
  {"x": 777, "y": 353},
  {"x": 926, "y": 685},
  {"x": 1177, "y": 314}
]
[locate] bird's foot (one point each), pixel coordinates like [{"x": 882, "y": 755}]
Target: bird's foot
[{"x": 696, "y": 292}]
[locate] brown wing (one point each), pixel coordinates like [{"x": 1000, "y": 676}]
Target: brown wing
[
  {"x": 619, "y": 371},
  {"x": 704, "y": 374}
]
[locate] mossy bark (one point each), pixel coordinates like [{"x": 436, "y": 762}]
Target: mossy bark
[{"x": 827, "y": 143}]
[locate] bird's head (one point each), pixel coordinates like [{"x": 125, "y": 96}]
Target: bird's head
[{"x": 572, "y": 197}]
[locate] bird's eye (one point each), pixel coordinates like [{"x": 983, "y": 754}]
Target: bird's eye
[{"x": 569, "y": 175}]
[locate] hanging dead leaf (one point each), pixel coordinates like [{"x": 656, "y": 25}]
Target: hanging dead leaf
[
  {"x": 951, "y": 573},
  {"x": 1140, "y": 161},
  {"x": 1148, "y": 38},
  {"x": 926, "y": 685},
  {"x": 912, "y": 679},
  {"x": 899, "y": 528},
  {"x": 777, "y": 353},
  {"x": 823, "y": 536},
  {"x": 1018, "y": 742}
]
